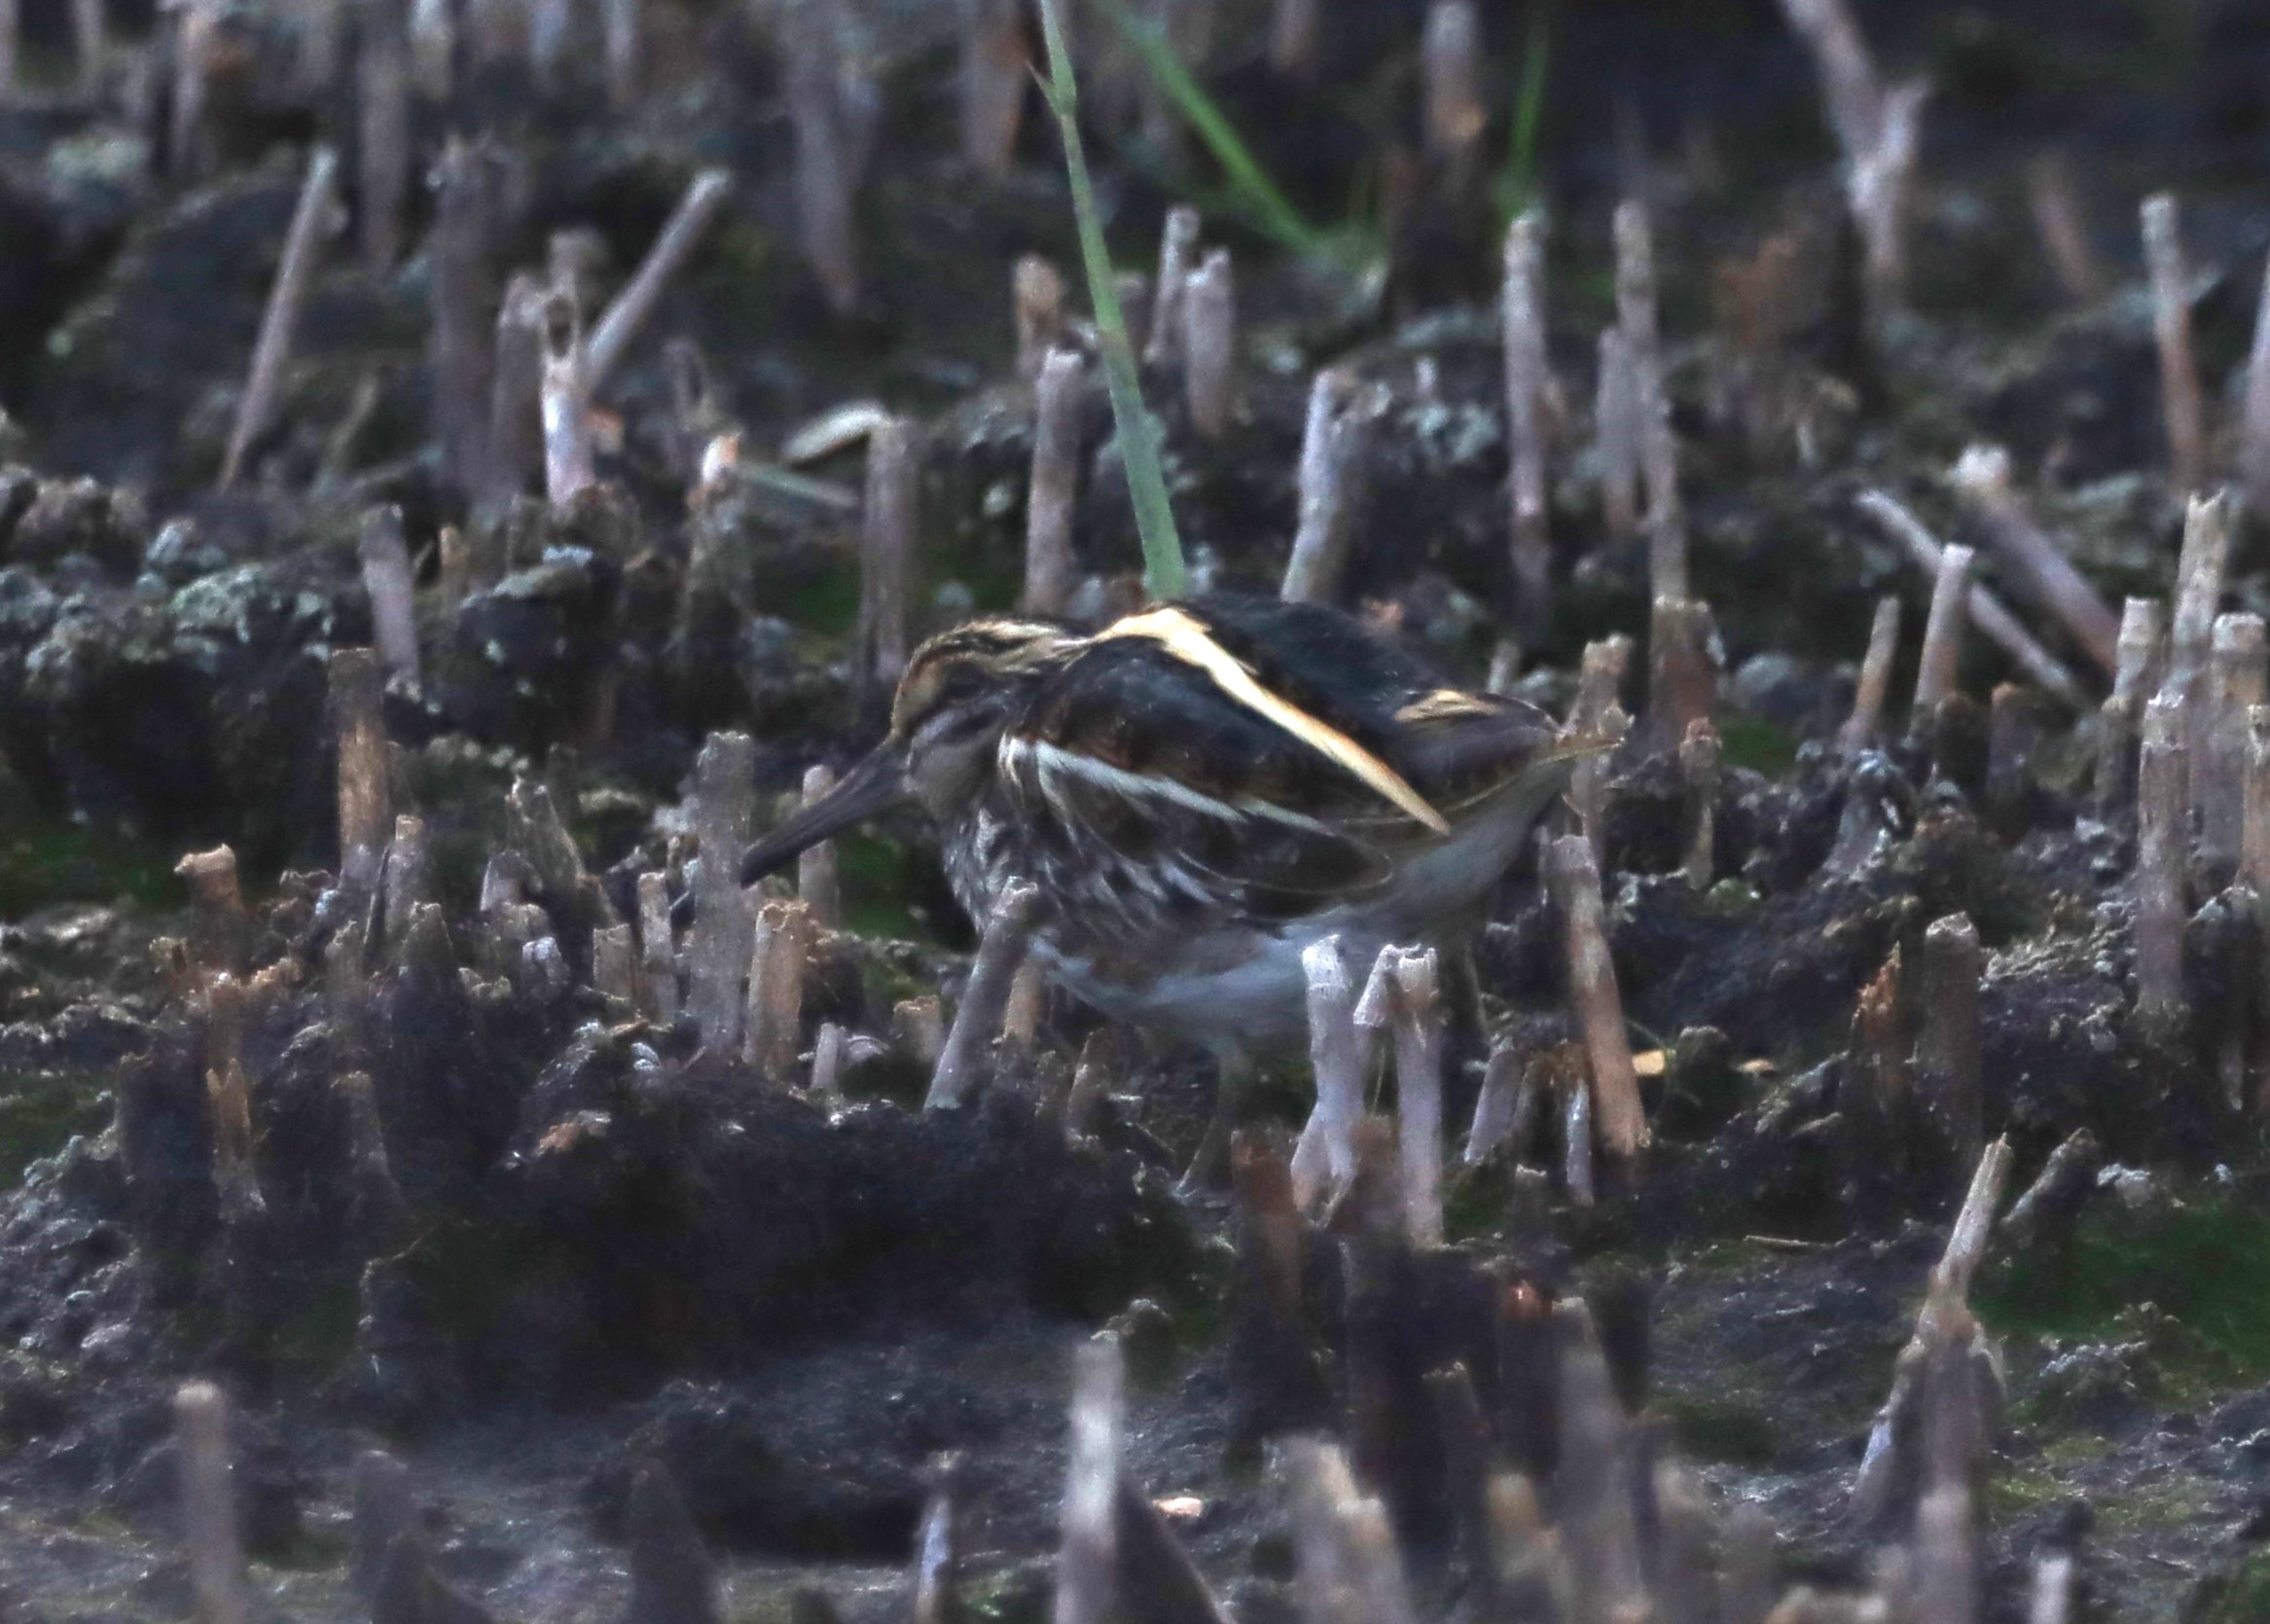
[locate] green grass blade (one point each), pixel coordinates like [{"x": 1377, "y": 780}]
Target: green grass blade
[
  {"x": 1164, "y": 574},
  {"x": 1517, "y": 183},
  {"x": 1259, "y": 199}
]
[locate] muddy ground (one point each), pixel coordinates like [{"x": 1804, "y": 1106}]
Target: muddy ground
[{"x": 604, "y": 1247}]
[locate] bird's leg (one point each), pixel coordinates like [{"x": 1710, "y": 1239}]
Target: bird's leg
[{"x": 1233, "y": 1073}]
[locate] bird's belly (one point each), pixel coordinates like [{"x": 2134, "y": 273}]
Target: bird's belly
[{"x": 1229, "y": 988}]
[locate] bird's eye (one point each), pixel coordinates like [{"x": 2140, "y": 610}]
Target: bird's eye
[{"x": 961, "y": 684}]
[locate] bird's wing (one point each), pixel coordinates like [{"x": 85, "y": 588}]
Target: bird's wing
[
  {"x": 1137, "y": 763},
  {"x": 1453, "y": 748}
]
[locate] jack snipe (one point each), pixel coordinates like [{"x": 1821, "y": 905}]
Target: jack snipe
[{"x": 1200, "y": 791}]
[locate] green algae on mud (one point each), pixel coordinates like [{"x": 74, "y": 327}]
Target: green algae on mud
[
  {"x": 2203, "y": 1261},
  {"x": 48, "y": 862},
  {"x": 40, "y": 1121}
]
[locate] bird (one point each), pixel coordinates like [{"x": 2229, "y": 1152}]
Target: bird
[{"x": 1198, "y": 791}]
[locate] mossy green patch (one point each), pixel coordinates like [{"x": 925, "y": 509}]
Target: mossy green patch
[
  {"x": 1734, "y": 1432},
  {"x": 2236, "y": 1594},
  {"x": 826, "y": 603},
  {"x": 39, "y": 1122},
  {"x": 2204, "y": 1262},
  {"x": 874, "y": 879},
  {"x": 1757, "y": 745},
  {"x": 44, "y": 863}
]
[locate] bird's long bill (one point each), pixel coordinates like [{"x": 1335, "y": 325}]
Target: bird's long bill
[{"x": 876, "y": 782}]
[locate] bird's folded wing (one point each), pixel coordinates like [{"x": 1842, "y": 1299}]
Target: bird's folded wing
[{"x": 1141, "y": 763}]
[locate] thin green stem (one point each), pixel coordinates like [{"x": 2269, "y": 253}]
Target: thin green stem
[
  {"x": 1517, "y": 183},
  {"x": 1164, "y": 574},
  {"x": 1259, "y": 199}
]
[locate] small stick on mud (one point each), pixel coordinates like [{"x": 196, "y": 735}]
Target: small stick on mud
[
  {"x": 1497, "y": 1105},
  {"x": 1576, "y": 1137},
  {"x": 719, "y": 947},
  {"x": 658, "y": 956},
  {"x": 918, "y": 1027},
  {"x": 406, "y": 877},
  {"x": 1335, "y": 447},
  {"x": 938, "y": 1549},
  {"x": 996, "y": 66},
  {"x": 1948, "y": 1066},
  {"x": 1982, "y": 476},
  {"x": 818, "y": 886},
  {"x": 1292, "y": 36},
  {"x": 1636, "y": 314},
  {"x": 614, "y": 965},
  {"x": 831, "y": 1054},
  {"x": 272, "y": 353},
  {"x": 1339, "y": 1055},
  {"x": 229, "y": 1095},
  {"x": 627, "y": 315},
  {"x": 1450, "y": 55},
  {"x": 1877, "y": 129},
  {"x": 2050, "y": 1601},
  {"x": 566, "y": 403},
  {"x": 1935, "y": 672},
  {"x": 453, "y": 571},
  {"x": 622, "y": 49},
  {"x": 464, "y": 298},
  {"x": 1682, "y": 672},
  {"x": 383, "y": 67},
  {"x": 91, "y": 37},
  {"x": 1861, "y": 727},
  {"x": 187, "y": 150},
  {"x": 2239, "y": 679},
  {"x": 1699, "y": 772},
  {"x": 2055, "y": 199},
  {"x": 778, "y": 963},
  {"x": 2047, "y": 1211},
  {"x": 208, "y": 1504},
  {"x": 1505, "y": 668},
  {"x": 2136, "y": 674},
  {"x": 1088, "y": 1559},
  {"x": 1616, "y": 430},
  {"x": 2255, "y": 836},
  {"x": 2208, "y": 524},
  {"x": 366, "y": 808},
  {"x": 1209, "y": 344},
  {"x": 1528, "y": 383},
  {"x": 887, "y": 551},
  {"x": 1987, "y": 611},
  {"x": 832, "y": 125},
  {"x": 1028, "y": 1003},
  {"x": 1974, "y": 1223},
  {"x": 223, "y": 930},
  {"x": 1177, "y": 245},
  {"x": 2161, "y": 823},
  {"x": 1600, "y": 680},
  {"x": 1574, "y": 880},
  {"x": 1001, "y": 951},
  {"x": 2182, "y": 408},
  {"x": 513, "y": 451},
  {"x": 387, "y": 579},
  {"x": 1037, "y": 296},
  {"x": 1401, "y": 994},
  {"x": 2255, "y": 424},
  {"x": 1050, "y": 567}
]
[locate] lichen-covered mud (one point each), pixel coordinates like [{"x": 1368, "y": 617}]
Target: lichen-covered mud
[{"x": 407, "y": 1145}]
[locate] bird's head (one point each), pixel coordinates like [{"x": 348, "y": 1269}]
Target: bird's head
[{"x": 959, "y": 690}]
